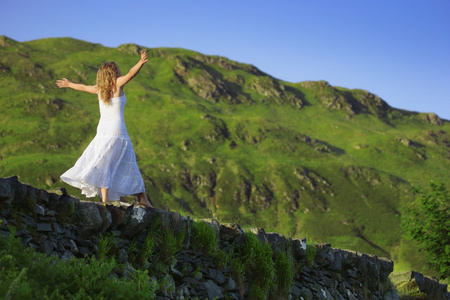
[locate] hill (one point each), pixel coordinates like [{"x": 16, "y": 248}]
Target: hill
[{"x": 218, "y": 138}]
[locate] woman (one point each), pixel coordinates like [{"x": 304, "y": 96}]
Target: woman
[{"x": 108, "y": 165}]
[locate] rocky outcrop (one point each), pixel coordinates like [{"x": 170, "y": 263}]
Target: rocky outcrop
[
  {"x": 351, "y": 102},
  {"x": 432, "y": 118},
  {"x": 58, "y": 224}
]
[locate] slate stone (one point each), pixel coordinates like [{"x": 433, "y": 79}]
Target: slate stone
[
  {"x": 50, "y": 213},
  {"x": 47, "y": 247},
  {"x": 136, "y": 220},
  {"x": 83, "y": 251},
  {"x": 90, "y": 216},
  {"x": 352, "y": 273},
  {"x": 44, "y": 227},
  {"x": 296, "y": 292},
  {"x": 213, "y": 290},
  {"x": 60, "y": 247},
  {"x": 39, "y": 210},
  {"x": 29, "y": 221},
  {"x": 230, "y": 285},
  {"x": 58, "y": 229},
  {"x": 67, "y": 255},
  {"x": 73, "y": 246},
  {"x": 229, "y": 232},
  {"x": 123, "y": 256},
  {"x": 7, "y": 189}
]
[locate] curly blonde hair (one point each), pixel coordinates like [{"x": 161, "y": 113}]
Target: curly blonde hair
[{"x": 106, "y": 80}]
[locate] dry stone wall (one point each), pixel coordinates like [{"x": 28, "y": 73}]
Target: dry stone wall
[{"x": 58, "y": 224}]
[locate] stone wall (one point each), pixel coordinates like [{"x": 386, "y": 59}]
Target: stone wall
[{"x": 56, "y": 223}]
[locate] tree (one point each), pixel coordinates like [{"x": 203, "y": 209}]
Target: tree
[{"x": 427, "y": 220}]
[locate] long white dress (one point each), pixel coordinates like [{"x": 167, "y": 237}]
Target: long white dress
[{"x": 109, "y": 161}]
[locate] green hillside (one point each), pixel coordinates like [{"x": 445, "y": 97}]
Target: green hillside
[{"x": 218, "y": 138}]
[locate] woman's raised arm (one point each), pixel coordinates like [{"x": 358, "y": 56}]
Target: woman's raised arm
[
  {"x": 64, "y": 83},
  {"x": 122, "y": 80}
]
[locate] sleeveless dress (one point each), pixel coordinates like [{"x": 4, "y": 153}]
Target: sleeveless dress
[{"x": 109, "y": 160}]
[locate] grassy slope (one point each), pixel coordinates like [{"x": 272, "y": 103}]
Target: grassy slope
[{"x": 219, "y": 138}]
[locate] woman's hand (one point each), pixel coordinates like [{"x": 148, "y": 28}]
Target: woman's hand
[
  {"x": 143, "y": 57},
  {"x": 63, "y": 83}
]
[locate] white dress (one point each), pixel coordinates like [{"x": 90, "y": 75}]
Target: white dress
[{"x": 109, "y": 160}]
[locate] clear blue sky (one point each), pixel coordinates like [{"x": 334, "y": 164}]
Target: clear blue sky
[{"x": 397, "y": 49}]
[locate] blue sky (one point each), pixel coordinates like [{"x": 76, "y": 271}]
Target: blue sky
[{"x": 397, "y": 49}]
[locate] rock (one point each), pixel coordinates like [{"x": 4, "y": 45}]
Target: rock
[
  {"x": 83, "y": 251},
  {"x": 324, "y": 256},
  {"x": 136, "y": 220},
  {"x": 90, "y": 216},
  {"x": 167, "y": 286},
  {"x": 352, "y": 273},
  {"x": 306, "y": 294},
  {"x": 386, "y": 267},
  {"x": 67, "y": 255},
  {"x": 117, "y": 216},
  {"x": 29, "y": 221},
  {"x": 175, "y": 272},
  {"x": 58, "y": 228},
  {"x": 350, "y": 295},
  {"x": 106, "y": 216},
  {"x": 216, "y": 275},
  {"x": 299, "y": 248},
  {"x": 260, "y": 234},
  {"x": 213, "y": 291},
  {"x": 391, "y": 295},
  {"x": 7, "y": 189},
  {"x": 230, "y": 285},
  {"x": 296, "y": 292},
  {"x": 337, "y": 262},
  {"x": 44, "y": 227},
  {"x": 229, "y": 232},
  {"x": 432, "y": 118},
  {"x": 278, "y": 242},
  {"x": 47, "y": 247},
  {"x": 39, "y": 210}
]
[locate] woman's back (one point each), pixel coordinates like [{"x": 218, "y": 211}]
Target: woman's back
[{"x": 112, "y": 116}]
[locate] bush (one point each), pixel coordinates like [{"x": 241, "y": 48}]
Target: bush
[
  {"x": 204, "y": 238},
  {"x": 284, "y": 267},
  {"x": 257, "y": 257},
  {"x": 427, "y": 220},
  {"x": 26, "y": 274},
  {"x": 168, "y": 244}
]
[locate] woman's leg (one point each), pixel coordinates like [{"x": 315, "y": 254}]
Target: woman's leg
[
  {"x": 105, "y": 197},
  {"x": 144, "y": 201}
]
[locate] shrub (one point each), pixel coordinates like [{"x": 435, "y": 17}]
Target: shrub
[
  {"x": 204, "y": 238},
  {"x": 26, "y": 274},
  {"x": 107, "y": 247},
  {"x": 310, "y": 253},
  {"x": 284, "y": 268},
  {"x": 167, "y": 244},
  {"x": 257, "y": 258},
  {"x": 427, "y": 220},
  {"x": 147, "y": 250},
  {"x": 221, "y": 258}
]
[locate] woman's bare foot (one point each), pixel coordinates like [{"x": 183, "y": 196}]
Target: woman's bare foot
[{"x": 143, "y": 200}]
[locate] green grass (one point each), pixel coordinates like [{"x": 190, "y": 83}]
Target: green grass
[{"x": 187, "y": 162}]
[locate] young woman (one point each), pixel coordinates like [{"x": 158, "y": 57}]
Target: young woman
[{"x": 108, "y": 165}]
